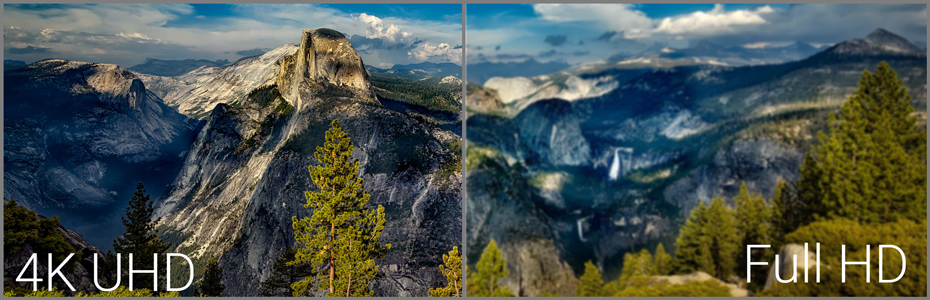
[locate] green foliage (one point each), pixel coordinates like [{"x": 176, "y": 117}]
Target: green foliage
[
  {"x": 121, "y": 291},
  {"x": 754, "y": 228},
  {"x": 637, "y": 264},
  {"x": 787, "y": 213},
  {"x": 910, "y": 236},
  {"x": 708, "y": 241},
  {"x": 871, "y": 168},
  {"x": 284, "y": 275},
  {"x": 663, "y": 261},
  {"x": 342, "y": 234},
  {"x": 212, "y": 283},
  {"x": 453, "y": 272},
  {"x": 640, "y": 286},
  {"x": 491, "y": 267},
  {"x": 693, "y": 252},
  {"x": 22, "y": 226},
  {"x": 141, "y": 239},
  {"x": 452, "y": 162},
  {"x": 591, "y": 284},
  {"x": 428, "y": 92}
]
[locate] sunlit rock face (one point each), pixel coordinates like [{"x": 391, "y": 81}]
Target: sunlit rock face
[{"x": 324, "y": 56}]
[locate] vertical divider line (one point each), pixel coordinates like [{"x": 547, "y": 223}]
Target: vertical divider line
[{"x": 463, "y": 115}]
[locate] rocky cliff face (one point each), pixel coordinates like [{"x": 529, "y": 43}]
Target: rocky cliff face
[
  {"x": 247, "y": 172},
  {"x": 197, "y": 92},
  {"x": 325, "y": 56},
  {"x": 79, "y": 135}
]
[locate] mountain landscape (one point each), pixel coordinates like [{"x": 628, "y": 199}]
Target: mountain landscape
[
  {"x": 605, "y": 159},
  {"x": 162, "y": 67},
  {"x": 224, "y": 151}
]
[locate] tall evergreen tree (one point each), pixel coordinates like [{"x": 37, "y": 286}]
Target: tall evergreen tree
[
  {"x": 692, "y": 251},
  {"x": 754, "y": 227},
  {"x": 283, "y": 275},
  {"x": 637, "y": 264},
  {"x": 141, "y": 239},
  {"x": 781, "y": 214},
  {"x": 708, "y": 241},
  {"x": 341, "y": 236},
  {"x": 591, "y": 282},
  {"x": 491, "y": 268},
  {"x": 724, "y": 239},
  {"x": 663, "y": 261},
  {"x": 212, "y": 282},
  {"x": 453, "y": 272},
  {"x": 871, "y": 168}
]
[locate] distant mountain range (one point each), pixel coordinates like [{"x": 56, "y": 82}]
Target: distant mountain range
[
  {"x": 600, "y": 77},
  {"x": 162, "y": 67},
  {"x": 9, "y": 64},
  {"x": 660, "y": 55},
  {"x": 482, "y": 71},
  {"x": 431, "y": 69},
  {"x": 707, "y": 53}
]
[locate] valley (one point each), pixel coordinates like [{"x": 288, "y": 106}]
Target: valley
[{"x": 614, "y": 171}]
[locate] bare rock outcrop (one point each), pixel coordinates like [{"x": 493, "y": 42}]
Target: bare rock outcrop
[{"x": 324, "y": 56}]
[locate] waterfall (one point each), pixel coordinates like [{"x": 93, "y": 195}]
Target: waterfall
[{"x": 615, "y": 166}]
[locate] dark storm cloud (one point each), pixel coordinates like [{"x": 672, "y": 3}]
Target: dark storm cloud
[
  {"x": 121, "y": 48},
  {"x": 547, "y": 54},
  {"x": 366, "y": 45},
  {"x": 498, "y": 48},
  {"x": 252, "y": 52},
  {"x": 606, "y": 36},
  {"x": 556, "y": 40},
  {"x": 553, "y": 53},
  {"x": 29, "y": 50}
]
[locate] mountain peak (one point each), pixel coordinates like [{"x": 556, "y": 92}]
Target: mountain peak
[
  {"x": 112, "y": 84},
  {"x": 879, "y": 42},
  {"x": 324, "y": 56},
  {"x": 890, "y": 41}
]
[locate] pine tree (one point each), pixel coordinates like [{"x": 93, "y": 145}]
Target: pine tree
[
  {"x": 453, "y": 272},
  {"x": 692, "y": 251},
  {"x": 663, "y": 261},
  {"x": 212, "y": 283},
  {"x": 871, "y": 168},
  {"x": 340, "y": 239},
  {"x": 591, "y": 282},
  {"x": 141, "y": 239},
  {"x": 283, "y": 275},
  {"x": 724, "y": 239},
  {"x": 708, "y": 241},
  {"x": 491, "y": 267},
  {"x": 753, "y": 219}
]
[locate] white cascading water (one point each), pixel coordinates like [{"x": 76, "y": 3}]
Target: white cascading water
[{"x": 615, "y": 166}]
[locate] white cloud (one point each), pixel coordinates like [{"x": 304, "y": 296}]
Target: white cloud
[
  {"x": 376, "y": 30},
  {"x": 443, "y": 52},
  {"x": 714, "y": 22},
  {"x": 618, "y": 17},
  {"x": 80, "y": 31}
]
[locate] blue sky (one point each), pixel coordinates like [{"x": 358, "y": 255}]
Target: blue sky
[
  {"x": 127, "y": 34},
  {"x": 577, "y": 33}
]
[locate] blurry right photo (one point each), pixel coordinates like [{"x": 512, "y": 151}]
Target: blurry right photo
[{"x": 668, "y": 150}]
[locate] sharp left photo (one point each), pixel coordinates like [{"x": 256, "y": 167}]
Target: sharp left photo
[{"x": 232, "y": 150}]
